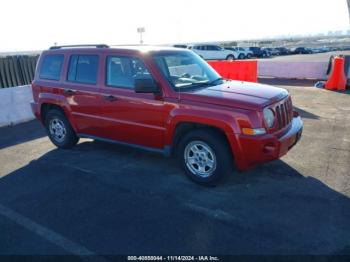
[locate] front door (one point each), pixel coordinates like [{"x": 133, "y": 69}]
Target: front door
[
  {"x": 127, "y": 116},
  {"x": 214, "y": 52}
]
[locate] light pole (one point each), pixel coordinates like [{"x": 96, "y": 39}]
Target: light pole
[
  {"x": 349, "y": 7},
  {"x": 141, "y": 30}
]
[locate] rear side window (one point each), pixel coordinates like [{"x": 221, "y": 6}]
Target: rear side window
[
  {"x": 83, "y": 69},
  {"x": 51, "y": 67},
  {"x": 211, "y": 48}
]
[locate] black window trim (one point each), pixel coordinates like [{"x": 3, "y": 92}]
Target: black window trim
[
  {"x": 125, "y": 56},
  {"x": 61, "y": 68},
  {"x": 79, "y": 82}
]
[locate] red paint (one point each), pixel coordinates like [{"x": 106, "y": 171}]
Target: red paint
[
  {"x": 150, "y": 120},
  {"x": 237, "y": 70}
]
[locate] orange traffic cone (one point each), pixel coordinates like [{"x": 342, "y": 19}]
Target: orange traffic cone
[{"x": 337, "y": 79}]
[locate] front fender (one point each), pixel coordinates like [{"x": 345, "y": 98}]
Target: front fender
[{"x": 225, "y": 122}]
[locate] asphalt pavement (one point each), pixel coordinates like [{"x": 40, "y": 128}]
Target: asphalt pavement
[{"x": 106, "y": 199}]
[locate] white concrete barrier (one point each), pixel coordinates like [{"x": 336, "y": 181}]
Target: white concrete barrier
[
  {"x": 15, "y": 105},
  {"x": 293, "y": 70}
]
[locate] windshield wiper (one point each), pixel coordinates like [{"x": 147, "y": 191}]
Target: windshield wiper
[
  {"x": 214, "y": 81},
  {"x": 210, "y": 83}
]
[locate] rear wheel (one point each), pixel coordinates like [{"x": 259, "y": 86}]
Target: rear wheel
[
  {"x": 205, "y": 156},
  {"x": 241, "y": 56},
  {"x": 230, "y": 58},
  {"x": 59, "y": 129}
]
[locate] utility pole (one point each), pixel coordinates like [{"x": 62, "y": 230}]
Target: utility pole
[
  {"x": 141, "y": 30},
  {"x": 349, "y": 7}
]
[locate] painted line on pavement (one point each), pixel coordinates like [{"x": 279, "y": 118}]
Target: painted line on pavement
[{"x": 50, "y": 235}]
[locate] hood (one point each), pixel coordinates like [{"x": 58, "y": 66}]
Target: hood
[{"x": 237, "y": 94}]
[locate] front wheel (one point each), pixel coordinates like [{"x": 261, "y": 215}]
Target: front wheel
[
  {"x": 241, "y": 56},
  {"x": 205, "y": 156}
]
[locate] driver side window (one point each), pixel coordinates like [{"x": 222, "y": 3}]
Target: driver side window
[{"x": 121, "y": 71}]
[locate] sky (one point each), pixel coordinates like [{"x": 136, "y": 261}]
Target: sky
[{"x": 38, "y": 24}]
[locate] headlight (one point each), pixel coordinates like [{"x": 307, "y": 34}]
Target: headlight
[{"x": 269, "y": 117}]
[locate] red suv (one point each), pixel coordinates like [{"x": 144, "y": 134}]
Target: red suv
[{"x": 166, "y": 100}]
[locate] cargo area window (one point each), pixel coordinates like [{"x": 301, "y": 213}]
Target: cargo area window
[
  {"x": 83, "y": 69},
  {"x": 51, "y": 67},
  {"x": 121, "y": 71}
]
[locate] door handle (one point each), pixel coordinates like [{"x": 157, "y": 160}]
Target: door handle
[
  {"x": 68, "y": 92},
  {"x": 110, "y": 98}
]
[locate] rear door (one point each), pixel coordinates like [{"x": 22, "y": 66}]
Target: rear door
[
  {"x": 82, "y": 91},
  {"x": 126, "y": 116}
]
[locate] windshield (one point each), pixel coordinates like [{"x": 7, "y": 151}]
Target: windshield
[{"x": 186, "y": 70}]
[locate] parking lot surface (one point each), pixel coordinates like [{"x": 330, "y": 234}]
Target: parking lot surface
[{"x": 100, "y": 198}]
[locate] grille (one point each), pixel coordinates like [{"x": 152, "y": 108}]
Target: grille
[{"x": 284, "y": 113}]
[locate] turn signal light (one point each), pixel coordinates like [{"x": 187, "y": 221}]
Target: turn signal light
[{"x": 253, "y": 131}]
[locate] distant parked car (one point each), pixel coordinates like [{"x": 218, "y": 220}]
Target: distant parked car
[
  {"x": 302, "y": 50},
  {"x": 249, "y": 54},
  {"x": 272, "y": 51},
  {"x": 334, "y": 48},
  {"x": 258, "y": 52},
  {"x": 345, "y": 48},
  {"x": 213, "y": 52},
  {"x": 325, "y": 49},
  {"x": 180, "y": 46},
  {"x": 317, "y": 50},
  {"x": 283, "y": 51},
  {"x": 242, "y": 53}
]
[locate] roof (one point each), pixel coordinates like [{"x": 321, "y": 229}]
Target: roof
[{"x": 104, "y": 48}]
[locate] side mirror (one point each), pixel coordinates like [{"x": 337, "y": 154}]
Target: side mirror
[{"x": 146, "y": 85}]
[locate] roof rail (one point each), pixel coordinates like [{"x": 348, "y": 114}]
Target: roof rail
[{"x": 67, "y": 46}]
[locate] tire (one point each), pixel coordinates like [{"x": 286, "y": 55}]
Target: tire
[
  {"x": 60, "y": 130},
  {"x": 241, "y": 56},
  {"x": 230, "y": 58},
  {"x": 213, "y": 154},
  {"x": 249, "y": 56}
]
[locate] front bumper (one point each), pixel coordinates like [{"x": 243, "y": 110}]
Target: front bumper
[{"x": 254, "y": 150}]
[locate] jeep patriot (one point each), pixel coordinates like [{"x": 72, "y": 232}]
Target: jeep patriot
[{"x": 166, "y": 100}]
